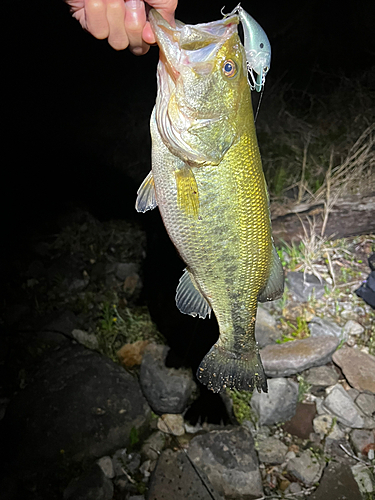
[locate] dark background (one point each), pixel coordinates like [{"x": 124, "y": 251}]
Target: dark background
[{"x": 77, "y": 111}]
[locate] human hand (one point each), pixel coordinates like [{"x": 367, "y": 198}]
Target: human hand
[{"x": 123, "y": 22}]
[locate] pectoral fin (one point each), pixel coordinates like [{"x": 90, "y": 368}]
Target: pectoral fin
[
  {"x": 187, "y": 191},
  {"x": 275, "y": 284},
  {"x": 189, "y": 299},
  {"x": 146, "y": 199}
]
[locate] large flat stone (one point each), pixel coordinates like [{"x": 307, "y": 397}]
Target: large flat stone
[
  {"x": 167, "y": 390},
  {"x": 301, "y": 423},
  {"x": 272, "y": 451},
  {"x": 175, "y": 478},
  {"x": 339, "y": 403},
  {"x": 337, "y": 483},
  {"x": 265, "y": 328},
  {"x": 303, "y": 286},
  {"x": 358, "y": 367},
  {"x": 307, "y": 467},
  {"x": 282, "y": 360},
  {"x": 229, "y": 460},
  {"x": 278, "y": 404},
  {"x": 78, "y": 406}
]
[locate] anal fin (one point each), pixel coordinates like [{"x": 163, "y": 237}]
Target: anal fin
[
  {"x": 275, "y": 284},
  {"x": 146, "y": 199},
  {"x": 189, "y": 299}
]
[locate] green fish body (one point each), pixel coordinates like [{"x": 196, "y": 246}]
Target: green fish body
[{"x": 208, "y": 183}]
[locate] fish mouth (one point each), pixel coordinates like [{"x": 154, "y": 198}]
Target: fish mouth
[
  {"x": 187, "y": 53},
  {"x": 186, "y": 45}
]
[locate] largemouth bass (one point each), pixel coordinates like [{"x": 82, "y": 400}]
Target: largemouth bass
[{"x": 208, "y": 183}]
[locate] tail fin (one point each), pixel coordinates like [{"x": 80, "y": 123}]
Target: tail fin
[{"x": 222, "y": 369}]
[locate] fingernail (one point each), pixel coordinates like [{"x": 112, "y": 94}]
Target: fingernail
[
  {"x": 133, "y": 4},
  {"x": 137, "y": 51}
]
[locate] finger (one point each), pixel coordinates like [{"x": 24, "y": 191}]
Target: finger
[
  {"x": 148, "y": 35},
  {"x": 135, "y": 20},
  {"x": 117, "y": 38},
  {"x": 96, "y": 18}
]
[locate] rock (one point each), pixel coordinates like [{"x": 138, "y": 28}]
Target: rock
[
  {"x": 367, "y": 403},
  {"x": 303, "y": 286},
  {"x": 137, "y": 497},
  {"x": 174, "y": 477},
  {"x": 124, "y": 461},
  {"x": 294, "y": 310},
  {"x": 123, "y": 270},
  {"x": 130, "y": 355},
  {"x": 334, "y": 448},
  {"x": 153, "y": 445},
  {"x": 298, "y": 355},
  {"x": 337, "y": 484},
  {"x": 279, "y": 404},
  {"x": 271, "y": 451},
  {"x": 365, "y": 480},
  {"x": 172, "y": 424},
  {"x": 325, "y": 425},
  {"x": 94, "y": 485},
  {"x": 306, "y": 468},
  {"x": 322, "y": 376},
  {"x": 229, "y": 460},
  {"x": 265, "y": 328},
  {"x": 67, "y": 274},
  {"x": 106, "y": 464},
  {"x": 358, "y": 368},
  {"x": 353, "y": 393},
  {"x": 293, "y": 488},
  {"x": 353, "y": 328},
  {"x": 340, "y": 404},
  {"x": 78, "y": 404},
  {"x": 322, "y": 327},
  {"x": 301, "y": 424},
  {"x": 59, "y": 327},
  {"x": 264, "y": 317},
  {"x": 89, "y": 340},
  {"x": 167, "y": 390},
  {"x": 4, "y": 402},
  {"x": 361, "y": 438}
]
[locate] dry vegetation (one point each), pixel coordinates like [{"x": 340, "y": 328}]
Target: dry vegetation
[{"x": 319, "y": 147}]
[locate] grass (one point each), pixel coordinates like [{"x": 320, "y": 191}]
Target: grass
[
  {"x": 117, "y": 327},
  {"x": 342, "y": 263},
  {"x": 241, "y": 405},
  {"x": 303, "y": 388},
  {"x": 296, "y": 331}
]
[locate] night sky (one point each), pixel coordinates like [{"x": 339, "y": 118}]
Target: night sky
[{"x": 77, "y": 111}]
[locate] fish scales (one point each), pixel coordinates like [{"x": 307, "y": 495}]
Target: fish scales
[{"x": 216, "y": 211}]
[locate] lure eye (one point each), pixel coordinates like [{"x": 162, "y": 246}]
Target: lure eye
[{"x": 229, "y": 68}]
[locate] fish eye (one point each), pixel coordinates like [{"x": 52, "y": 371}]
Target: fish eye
[
  {"x": 229, "y": 68},
  {"x": 261, "y": 45}
]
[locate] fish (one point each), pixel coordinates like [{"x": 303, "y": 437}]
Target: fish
[{"x": 208, "y": 183}]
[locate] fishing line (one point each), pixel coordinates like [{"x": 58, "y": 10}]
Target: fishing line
[
  {"x": 190, "y": 460},
  {"x": 260, "y": 100}
]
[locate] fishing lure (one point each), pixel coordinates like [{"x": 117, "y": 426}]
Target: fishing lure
[{"x": 257, "y": 48}]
